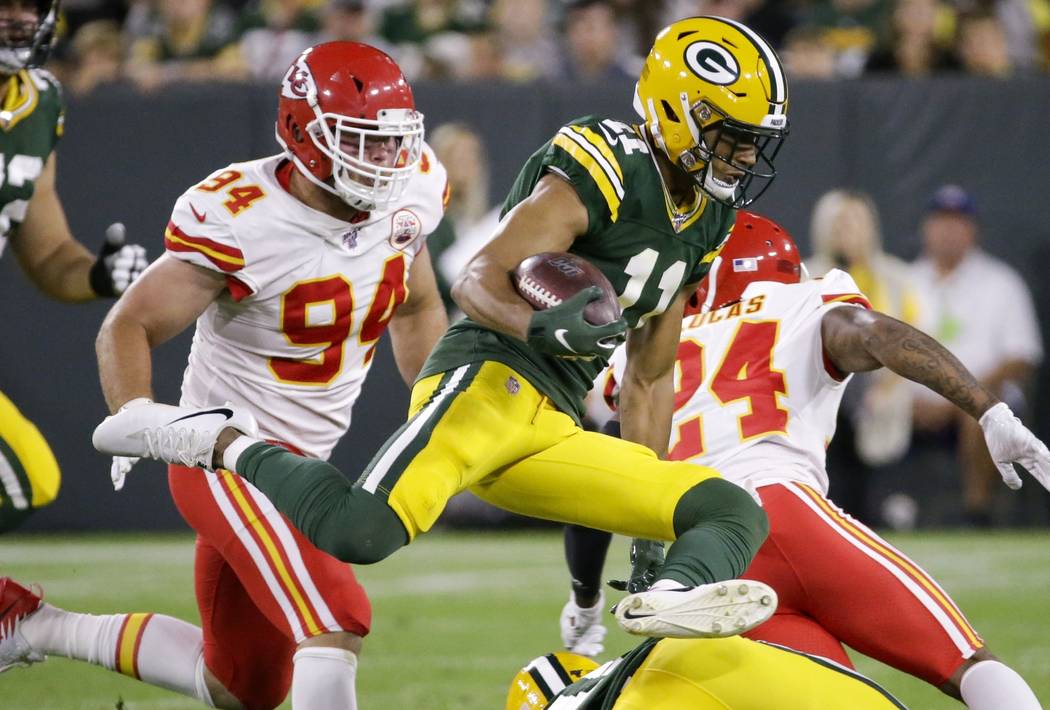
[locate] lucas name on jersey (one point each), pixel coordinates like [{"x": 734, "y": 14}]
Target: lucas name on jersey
[{"x": 749, "y": 307}]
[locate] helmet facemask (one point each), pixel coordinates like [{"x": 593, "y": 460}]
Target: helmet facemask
[
  {"x": 719, "y": 140},
  {"x": 26, "y": 43},
  {"x": 345, "y": 141}
]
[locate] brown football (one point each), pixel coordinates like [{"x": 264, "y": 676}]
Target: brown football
[{"x": 547, "y": 279}]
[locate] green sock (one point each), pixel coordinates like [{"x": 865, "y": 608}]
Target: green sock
[
  {"x": 344, "y": 520},
  {"x": 719, "y": 528}
]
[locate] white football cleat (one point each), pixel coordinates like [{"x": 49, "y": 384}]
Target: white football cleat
[
  {"x": 181, "y": 435},
  {"x": 582, "y": 631},
  {"x": 16, "y": 604},
  {"x": 709, "y": 611}
]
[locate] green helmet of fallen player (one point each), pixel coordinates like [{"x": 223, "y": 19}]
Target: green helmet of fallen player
[{"x": 27, "y": 28}]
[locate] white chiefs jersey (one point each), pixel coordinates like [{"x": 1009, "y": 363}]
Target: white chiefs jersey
[
  {"x": 309, "y": 295},
  {"x": 755, "y": 396}
]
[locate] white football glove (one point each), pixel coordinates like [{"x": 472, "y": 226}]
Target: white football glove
[
  {"x": 118, "y": 264},
  {"x": 582, "y": 630},
  {"x": 1009, "y": 442},
  {"x": 121, "y": 465}
]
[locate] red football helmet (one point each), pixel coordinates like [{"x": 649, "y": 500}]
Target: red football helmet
[
  {"x": 758, "y": 249},
  {"x": 337, "y": 99}
]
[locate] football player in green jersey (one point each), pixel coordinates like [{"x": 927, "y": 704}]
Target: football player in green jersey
[
  {"x": 32, "y": 220},
  {"x": 497, "y": 406}
]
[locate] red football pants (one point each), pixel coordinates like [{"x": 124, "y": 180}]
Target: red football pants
[
  {"x": 261, "y": 586},
  {"x": 840, "y": 583}
]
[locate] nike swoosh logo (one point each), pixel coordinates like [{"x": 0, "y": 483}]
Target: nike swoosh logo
[
  {"x": 228, "y": 413},
  {"x": 201, "y": 216},
  {"x": 559, "y": 335},
  {"x": 628, "y": 615}
]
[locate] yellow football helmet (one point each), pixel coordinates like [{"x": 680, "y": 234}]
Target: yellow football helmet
[
  {"x": 713, "y": 74},
  {"x": 536, "y": 684}
]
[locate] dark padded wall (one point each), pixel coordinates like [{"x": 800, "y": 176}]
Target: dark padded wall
[{"x": 127, "y": 156}]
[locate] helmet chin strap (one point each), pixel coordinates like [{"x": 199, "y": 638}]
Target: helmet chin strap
[{"x": 712, "y": 284}]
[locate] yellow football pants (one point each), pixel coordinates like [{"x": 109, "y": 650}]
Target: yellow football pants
[
  {"x": 738, "y": 674},
  {"x": 483, "y": 427},
  {"x": 29, "y": 473}
]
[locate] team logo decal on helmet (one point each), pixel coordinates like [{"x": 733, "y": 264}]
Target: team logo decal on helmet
[
  {"x": 712, "y": 62},
  {"x": 298, "y": 83}
]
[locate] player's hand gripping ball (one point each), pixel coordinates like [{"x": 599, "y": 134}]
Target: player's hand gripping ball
[{"x": 577, "y": 311}]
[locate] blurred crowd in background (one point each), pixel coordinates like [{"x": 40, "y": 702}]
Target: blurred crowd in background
[{"x": 152, "y": 42}]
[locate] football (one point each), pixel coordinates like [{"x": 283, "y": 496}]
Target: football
[{"x": 547, "y": 279}]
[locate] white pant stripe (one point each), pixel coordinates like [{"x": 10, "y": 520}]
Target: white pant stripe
[
  {"x": 239, "y": 527},
  {"x": 9, "y": 479},
  {"x": 295, "y": 558},
  {"x": 376, "y": 475},
  {"x": 949, "y": 625}
]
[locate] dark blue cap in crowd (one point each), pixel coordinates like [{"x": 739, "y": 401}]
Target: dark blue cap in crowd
[{"x": 952, "y": 198}]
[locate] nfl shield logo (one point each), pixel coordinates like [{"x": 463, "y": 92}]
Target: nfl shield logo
[
  {"x": 512, "y": 385},
  {"x": 350, "y": 238}
]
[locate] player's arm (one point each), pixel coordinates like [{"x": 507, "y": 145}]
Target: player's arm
[
  {"x": 647, "y": 390},
  {"x": 57, "y": 263},
  {"x": 549, "y": 219},
  {"x": 858, "y": 340},
  {"x": 420, "y": 321},
  {"x": 169, "y": 296}
]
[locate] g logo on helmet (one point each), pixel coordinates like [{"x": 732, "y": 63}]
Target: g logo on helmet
[{"x": 712, "y": 62}]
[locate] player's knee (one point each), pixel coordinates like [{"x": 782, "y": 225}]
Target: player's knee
[
  {"x": 716, "y": 500},
  {"x": 374, "y": 534}
]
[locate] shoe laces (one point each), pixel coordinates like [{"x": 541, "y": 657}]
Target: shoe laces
[{"x": 188, "y": 447}]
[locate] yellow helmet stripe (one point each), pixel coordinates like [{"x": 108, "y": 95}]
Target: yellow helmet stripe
[
  {"x": 603, "y": 148},
  {"x": 594, "y": 169},
  {"x": 778, "y": 86}
]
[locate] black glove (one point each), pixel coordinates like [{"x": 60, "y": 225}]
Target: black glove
[
  {"x": 647, "y": 558},
  {"x": 563, "y": 331},
  {"x": 118, "y": 264}
]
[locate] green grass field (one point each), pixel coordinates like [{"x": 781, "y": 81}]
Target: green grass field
[{"x": 457, "y": 614}]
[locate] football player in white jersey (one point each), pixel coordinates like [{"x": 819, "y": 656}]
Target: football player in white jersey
[
  {"x": 292, "y": 267},
  {"x": 762, "y": 365}
]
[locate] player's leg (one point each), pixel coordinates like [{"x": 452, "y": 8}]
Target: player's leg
[
  {"x": 157, "y": 649},
  {"x": 277, "y": 612},
  {"x": 610, "y": 484},
  {"x": 908, "y": 621},
  {"x": 581, "y": 625},
  {"x": 791, "y": 625},
  {"x": 737, "y": 674},
  {"x": 462, "y": 426},
  {"x": 29, "y": 474}
]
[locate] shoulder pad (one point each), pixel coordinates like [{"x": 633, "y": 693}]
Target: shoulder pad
[{"x": 837, "y": 286}]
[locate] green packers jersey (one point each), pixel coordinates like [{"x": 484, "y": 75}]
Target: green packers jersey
[
  {"x": 645, "y": 246},
  {"x": 31, "y": 121}
]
